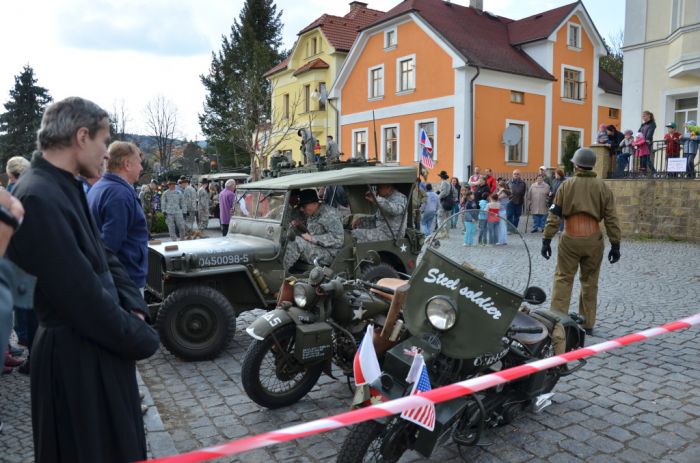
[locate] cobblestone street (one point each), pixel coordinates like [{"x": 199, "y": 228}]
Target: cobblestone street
[{"x": 635, "y": 404}]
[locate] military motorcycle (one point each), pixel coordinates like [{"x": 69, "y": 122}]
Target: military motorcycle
[
  {"x": 465, "y": 315},
  {"x": 317, "y": 323}
]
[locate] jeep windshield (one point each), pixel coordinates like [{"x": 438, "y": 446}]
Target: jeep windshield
[{"x": 264, "y": 205}]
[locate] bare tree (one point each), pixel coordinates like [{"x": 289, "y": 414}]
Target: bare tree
[
  {"x": 161, "y": 118},
  {"x": 118, "y": 119},
  {"x": 613, "y": 62}
]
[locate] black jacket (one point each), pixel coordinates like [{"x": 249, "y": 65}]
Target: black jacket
[{"x": 615, "y": 141}]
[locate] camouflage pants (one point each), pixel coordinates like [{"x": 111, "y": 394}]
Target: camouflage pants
[
  {"x": 365, "y": 235},
  {"x": 175, "y": 220},
  {"x": 443, "y": 216},
  {"x": 189, "y": 222},
  {"x": 149, "y": 222},
  {"x": 203, "y": 218},
  {"x": 300, "y": 249}
]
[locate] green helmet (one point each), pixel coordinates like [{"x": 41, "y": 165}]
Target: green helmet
[{"x": 584, "y": 157}]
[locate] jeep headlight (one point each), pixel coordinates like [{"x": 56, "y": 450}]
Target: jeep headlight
[
  {"x": 303, "y": 294},
  {"x": 441, "y": 313}
]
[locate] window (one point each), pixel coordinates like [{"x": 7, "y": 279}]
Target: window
[
  {"x": 406, "y": 75},
  {"x": 430, "y": 127},
  {"x": 517, "y": 97},
  {"x": 573, "y": 85},
  {"x": 515, "y": 152},
  {"x": 390, "y": 144},
  {"x": 686, "y": 109},
  {"x": 285, "y": 106},
  {"x": 676, "y": 14},
  {"x": 313, "y": 46},
  {"x": 376, "y": 82},
  {"x": 569, "y": 136},
  {"x": 390, "y": 38},
  {"x": 574, "y": 36},
  {"x": 359, "y": 145},
  {"x": 307, "y": 98},
  {"x": 613, "y": 113},
  {"x": 322, "y": 93}
]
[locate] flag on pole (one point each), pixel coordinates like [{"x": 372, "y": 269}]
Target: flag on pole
[
  {"x": 418, "y": 375},
  {"x": 427, "y": 151},
  {"x": 365, "y": 367}
]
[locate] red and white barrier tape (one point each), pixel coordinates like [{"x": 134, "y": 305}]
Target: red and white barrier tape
[{"x": 437, "y": 395}]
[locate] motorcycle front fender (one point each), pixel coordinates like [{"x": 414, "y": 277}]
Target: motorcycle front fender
[{"x": 277, "y": 318}]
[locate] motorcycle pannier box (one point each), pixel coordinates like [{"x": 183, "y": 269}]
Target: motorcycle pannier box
[{"x": 313, "y": 342}]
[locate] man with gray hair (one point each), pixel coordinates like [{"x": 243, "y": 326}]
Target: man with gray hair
[
  {"x": 14, "y": 168},
  {"x": 227, "y": 199},
  {"x": 84, "y": 395}
]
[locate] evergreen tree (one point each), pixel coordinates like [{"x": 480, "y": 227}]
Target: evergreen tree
[
  {"x": 571, "y": 144},
  {"x": 238, "y": 96},
  {"x": 613, "y": 62},
  {"x": 18, "y": 125}
]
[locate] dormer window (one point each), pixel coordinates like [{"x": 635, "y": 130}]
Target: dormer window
[
  {"x": 574, "y": 36},
  {"x": 313, "y": 46},
  {"x": 390, "y": 38}
]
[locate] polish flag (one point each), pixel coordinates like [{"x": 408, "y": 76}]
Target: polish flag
[{"x": 366, "y": 366}]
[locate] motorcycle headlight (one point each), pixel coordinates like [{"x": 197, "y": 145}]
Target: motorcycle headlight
[
  {"x": 303, "y": 294},
  {"x": 441, "y": 313}
]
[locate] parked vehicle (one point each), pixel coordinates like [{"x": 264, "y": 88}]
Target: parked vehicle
[
  {"x": 196, "y": 289},
  {"x": 464, "y": 316}
]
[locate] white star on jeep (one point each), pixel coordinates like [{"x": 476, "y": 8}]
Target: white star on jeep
[
  {"x": 403, "y": 247},
  {"x": 359, "y": 313}
]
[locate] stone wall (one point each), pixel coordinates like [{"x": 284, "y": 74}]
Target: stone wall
[{"x": 660, "y": 209}]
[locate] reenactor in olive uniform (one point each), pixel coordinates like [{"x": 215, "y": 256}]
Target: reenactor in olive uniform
[
  {"x": 190, "y": 212},
  {"x": 582, "y": 201},
  {"x": 148, "y": 206},
  {"x": 203, "y": 205},
  {"x": 321, "y": 238},
  {"x": 391, "y": 206},
  {"x": 173, "y": 206}
]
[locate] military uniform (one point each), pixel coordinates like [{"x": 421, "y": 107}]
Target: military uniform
[
  {"x": 420, "y": 196},
  {"x": 148, "y": 208},
  {"x": 393, "y": 208},
  {"x": 582, "y": 201},
  {"x": 327, "y": 231},
  {"x": 203, "y": 207},
  {"x": 173, "y": 206},
  {"x": 190, "y": 212}
]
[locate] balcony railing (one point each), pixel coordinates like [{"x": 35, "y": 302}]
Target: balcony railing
[{"x": 657, "y": 164}]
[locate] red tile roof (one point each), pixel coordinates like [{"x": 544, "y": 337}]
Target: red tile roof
[
  {"x": 277, "y": 67},
  {"x": 609, "y": 83},
  {"x": 318, "y": 63},
  {"x": 480, "y": 37},
  {"x": 538, "y": 26}
]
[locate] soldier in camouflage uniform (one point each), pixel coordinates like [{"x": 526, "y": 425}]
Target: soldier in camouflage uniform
[
  {"x": 190, "y": 212},
  {"x": 391, "y": 208},
  {"x": 203, "y": 205},
  {"x": 173, "y": 206},
  {"x": 148, "y": 206},
  {"x": 322, "y": 237}
]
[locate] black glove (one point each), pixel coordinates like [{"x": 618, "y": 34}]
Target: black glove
[
  {"x": 614, "y": 254},
  {"x": 546, "y": 248}
]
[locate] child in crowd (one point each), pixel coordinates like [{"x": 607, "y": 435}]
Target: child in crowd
[
  {"x": 641, "y": 151},
  {"x": 672, "y": 141},
  {"x": 493, "y": 208},
  {"x": 602, "y": 136},
  {"x": 483, "y": 206},
  {"x": 470, "y": 218},
  {"x": 626, "y": 149}
]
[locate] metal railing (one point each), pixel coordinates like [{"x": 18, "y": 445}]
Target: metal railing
[{"x": 658, "y": 164}]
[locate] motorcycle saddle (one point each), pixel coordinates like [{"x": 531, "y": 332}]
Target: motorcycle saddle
[
  {"x": 524, "y": 321},
  {"x": 392, "y": 283}
]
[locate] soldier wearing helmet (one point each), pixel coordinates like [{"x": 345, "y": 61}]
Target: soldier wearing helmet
[{"x": 582, "y": 202}]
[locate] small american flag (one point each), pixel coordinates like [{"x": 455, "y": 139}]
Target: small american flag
[
  {"x": 418, "y": 375},
  {"x": 427, "y": 151}
]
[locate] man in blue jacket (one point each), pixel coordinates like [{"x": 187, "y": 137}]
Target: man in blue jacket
[{"x": 118, "y": 212}]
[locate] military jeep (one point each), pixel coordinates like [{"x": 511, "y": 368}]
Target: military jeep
[{"x": 196, "y": 289}]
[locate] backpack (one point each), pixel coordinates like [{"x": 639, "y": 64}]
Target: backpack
[{"x": 448, "y": 201}]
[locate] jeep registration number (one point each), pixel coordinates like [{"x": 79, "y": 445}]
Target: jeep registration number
[{"x": 229, "y": 259}]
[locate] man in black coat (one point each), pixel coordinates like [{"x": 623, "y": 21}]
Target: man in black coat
[{"x": 84, "y": 395}]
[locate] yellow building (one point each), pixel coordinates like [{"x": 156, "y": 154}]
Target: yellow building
[{"x": 300, "y": 82}]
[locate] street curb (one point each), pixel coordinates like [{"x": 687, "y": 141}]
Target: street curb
[{"x": 158, "y": 440}]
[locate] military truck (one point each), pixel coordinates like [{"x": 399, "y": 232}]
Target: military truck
[{"x": 196, "y": 289}]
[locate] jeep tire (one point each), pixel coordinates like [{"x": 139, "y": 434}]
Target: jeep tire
[
  {"x": 375, "y": 273},
  {"x": 196, "y": 323}
]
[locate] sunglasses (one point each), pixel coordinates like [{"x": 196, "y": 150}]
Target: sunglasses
[{"x": 6, "y": 217}]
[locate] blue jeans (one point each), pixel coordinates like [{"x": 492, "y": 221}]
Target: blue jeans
[
  {"x": 502, "y": 225},
  {"x": 538, "y": 221},
  {"x": 493, "y": 232},
  {"x": 469, "y": 232},
  {"x": 482, "y": 231},
  {"x": 690, "y": 166},
  {"x": 455, "y": 210},
  {"x": 623, "y": 161},
  {"x": 426, "y": 222},
  {"x": 513, "y": 213}
]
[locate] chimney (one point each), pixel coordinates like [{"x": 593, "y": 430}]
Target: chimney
[
  {"x": 357, "y": 6},
  {"x": 476, "y": 4}
]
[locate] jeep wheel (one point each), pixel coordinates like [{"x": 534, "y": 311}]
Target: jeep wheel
[
  {"x": 196, "y": 323},
  {"x": 375, "y": 273}
]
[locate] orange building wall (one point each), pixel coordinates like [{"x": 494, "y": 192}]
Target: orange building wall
[
  {"x": 604, "y": 118},
  {"x": 408, "y": 139},
  {"x": 493, "y": 107},
  {"x": 434, "y": 74},
  {"x": 566, "y": 113}
]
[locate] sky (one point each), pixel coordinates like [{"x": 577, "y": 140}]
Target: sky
[{"x": 124, "y": 53}]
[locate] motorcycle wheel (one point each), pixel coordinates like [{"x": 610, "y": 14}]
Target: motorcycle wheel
[
  {"x": 271, "y": 376},
  {"x": 375, "y": 273},
  {"x": 367, "y": 442}
]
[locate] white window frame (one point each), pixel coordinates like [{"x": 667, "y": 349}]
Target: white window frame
[
  {"x": 677, "y": 7},
  {"x": 398, "y": 74},
  {"x": 386, "y": 38},
  {"x": 686, "y": 111},
  {"x": 581, "y": 132},
  {"x": 369, "y": 83},
  {"x": 416, "y": 137},
  {"x": 568, "y": 36},
  {"x": 354, "y": 145},
  {"x": 564, "y": 67},
  {"x": 525, "y": 142},
  {"x": 398, "y": 143}
]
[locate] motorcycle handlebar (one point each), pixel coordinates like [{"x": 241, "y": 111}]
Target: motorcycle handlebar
[
  {"x": 522, "y": 329},
  {"x": 383, "y": 289}
]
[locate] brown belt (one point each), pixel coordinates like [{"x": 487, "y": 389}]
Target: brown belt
[{"x": 581, "y": 224}]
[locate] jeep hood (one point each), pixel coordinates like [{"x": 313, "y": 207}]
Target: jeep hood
[{"x": 231, "y": 245}]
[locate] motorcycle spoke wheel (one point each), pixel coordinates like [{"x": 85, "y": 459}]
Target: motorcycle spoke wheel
[{"x": 374, "y": 442}]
